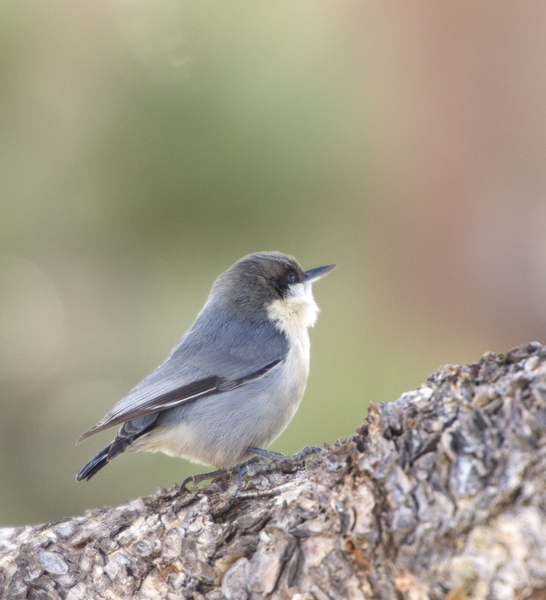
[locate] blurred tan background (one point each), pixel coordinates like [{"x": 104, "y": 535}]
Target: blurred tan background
[{"x": 146, "y": 146}]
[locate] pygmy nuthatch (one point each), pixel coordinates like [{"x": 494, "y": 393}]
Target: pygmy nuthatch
[{"x": 234, "y": 381}]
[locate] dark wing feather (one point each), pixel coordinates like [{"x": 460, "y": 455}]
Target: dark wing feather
[
  {"x": 155, "y": 404},
  {"x": 182, "y": 395},
  {"x": 218, "y": 354}
]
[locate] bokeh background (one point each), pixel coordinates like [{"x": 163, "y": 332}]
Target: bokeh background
[{"x": 146, "y": 146}]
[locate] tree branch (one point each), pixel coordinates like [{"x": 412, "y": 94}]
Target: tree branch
[{"x": 440, "y": 495}]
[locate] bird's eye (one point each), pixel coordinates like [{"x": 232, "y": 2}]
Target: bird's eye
[{"x": 291, "y": 278}]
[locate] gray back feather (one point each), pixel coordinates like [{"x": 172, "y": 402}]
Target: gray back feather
[{"x": 217, "y": 344}]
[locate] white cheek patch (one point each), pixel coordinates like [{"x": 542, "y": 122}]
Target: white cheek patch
[
  {"x": 296, "y": 310},
  {"x": 297, "y": 290}
]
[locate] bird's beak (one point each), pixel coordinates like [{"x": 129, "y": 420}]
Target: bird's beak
[{"x": 314, "y": 274}]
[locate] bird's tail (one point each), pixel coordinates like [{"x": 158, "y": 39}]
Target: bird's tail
[
  {"x": 117, "y": 447},
  {"x": 128, "y": 433},
  {"x": 94, "y": 465}
]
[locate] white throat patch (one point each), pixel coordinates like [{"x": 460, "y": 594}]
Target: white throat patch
[{"x": 298, "y": 309}]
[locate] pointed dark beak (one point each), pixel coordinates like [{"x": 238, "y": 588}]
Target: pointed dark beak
[{"x": 314, "y": 274}]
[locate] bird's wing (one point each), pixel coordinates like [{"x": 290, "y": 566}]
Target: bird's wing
[{"x": 222, "y": 356}]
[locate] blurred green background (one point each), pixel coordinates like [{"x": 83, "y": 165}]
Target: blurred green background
[{"x": 145, "y": 147}]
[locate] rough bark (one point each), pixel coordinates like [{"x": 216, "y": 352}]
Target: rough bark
[{"x": 440, "y": 495}]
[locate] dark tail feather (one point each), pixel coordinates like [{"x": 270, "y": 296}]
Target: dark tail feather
[
  {"x": 128, "y": 433},
  {"x": 94, "y": 465}
]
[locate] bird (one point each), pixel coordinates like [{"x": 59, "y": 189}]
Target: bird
[{"x": 236, "y": 378}]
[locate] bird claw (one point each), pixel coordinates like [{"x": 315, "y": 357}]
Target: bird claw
[
  {"x": 245, "y": 467},
  {"x": 199, "y": 477},
  {"x": 241, "y": 468},
  {"x": 252, "y": 466},
  {"x": 307, "y": 451},
  {"x": 276, "y": 461}
]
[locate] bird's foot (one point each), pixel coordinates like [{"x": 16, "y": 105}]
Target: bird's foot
[
  {"x": 199, "y": 477},
  {"x": 241, "y": 469},
  {"x": 257, "y": 465},
  {"x": 278, "y": 461}
]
